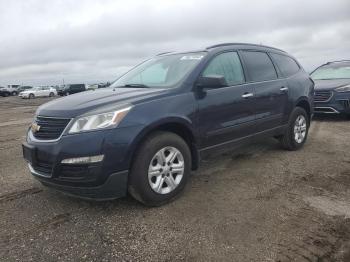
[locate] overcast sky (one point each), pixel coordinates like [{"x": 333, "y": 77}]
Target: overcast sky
[{"x": 45, "y": 41}]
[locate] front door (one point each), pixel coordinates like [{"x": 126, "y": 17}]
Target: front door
[{"x": 225, "y": 114}]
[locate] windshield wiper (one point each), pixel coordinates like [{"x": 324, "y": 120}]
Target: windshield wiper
[{"x": 136, "y": 85}]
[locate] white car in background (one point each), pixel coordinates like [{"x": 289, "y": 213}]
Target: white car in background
[{"x": 38, "y": 92}]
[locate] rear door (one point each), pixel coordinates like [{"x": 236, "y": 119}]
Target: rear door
[
  {"x": 225, "y": 114},
  {"x": 271, "y": 93},
  {"x": 288, "y": 68}
]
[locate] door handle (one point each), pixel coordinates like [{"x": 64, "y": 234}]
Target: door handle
[
  {"x": 247, "y": 95},
  {"x": 284, "y": 88}
]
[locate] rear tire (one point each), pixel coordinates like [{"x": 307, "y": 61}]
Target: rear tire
[
  {"x": 153, "y": 180},
  {"x": 297, "y": 130},
  {"x": 51, "y": 94},
  {"x": 14, "y": 93}
]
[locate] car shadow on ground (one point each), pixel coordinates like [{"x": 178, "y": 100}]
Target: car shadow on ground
[
  {"x": 209, "y": 164},
  {"x": 331, "y": 117}
]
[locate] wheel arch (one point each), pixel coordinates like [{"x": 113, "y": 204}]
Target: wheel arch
[
  {"x": 177, "y": 125},
  {"x": 305, "y": 104}
]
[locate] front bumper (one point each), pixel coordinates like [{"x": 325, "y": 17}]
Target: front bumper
[
  {"x": 23, "y": 95},
  {"x": 4, "y": 93},
  {"x": 338, "y": 103},
  {"x": 102, "y": 180},
  {"x": 112, "y": 188}
]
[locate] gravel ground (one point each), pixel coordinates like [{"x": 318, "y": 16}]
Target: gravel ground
[{"x": 259, "y": 203}]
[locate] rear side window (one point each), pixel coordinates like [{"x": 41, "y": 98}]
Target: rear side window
[
  {"x": 227, "y": 65},
  {"x": 286, "y": 64},
  {"x": 259, "y": 66}
]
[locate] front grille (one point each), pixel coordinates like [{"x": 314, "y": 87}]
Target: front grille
[
  {"x": 322, "y": 96},
  {"x": 50, "y": 128}
]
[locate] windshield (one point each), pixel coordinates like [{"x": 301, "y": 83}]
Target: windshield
[
  {"x": 160, "y": 71},
  {"x": 332, "y": 71}
]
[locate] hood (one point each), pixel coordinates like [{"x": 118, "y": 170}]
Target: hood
[
  {"x": 84, "y": 102},
  {"x": 330, "y": 84}
]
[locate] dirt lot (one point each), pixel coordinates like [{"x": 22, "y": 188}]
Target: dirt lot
[{"x": 256, "y": 204}]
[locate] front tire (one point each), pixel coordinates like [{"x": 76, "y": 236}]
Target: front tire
[
  {"x": 160, "y": 169},
  {"x": 31, "y": 96},
  {"x": 14, "y": 93},
  {"x": 51, "y": 94},
  {"x": 297, "y": 130}
]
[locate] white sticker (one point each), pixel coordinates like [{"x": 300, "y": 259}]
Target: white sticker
[{"x": 192, "y": 57}]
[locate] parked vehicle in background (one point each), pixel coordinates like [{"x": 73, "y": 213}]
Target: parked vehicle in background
[
  {"x": 1, "y": 94},
  {"x": 23, "y": 88},
  {"x": 38, "y": 92},
  {"x": 71, "y": 89},
  {"x": 104, "y": 85},
  {"x": 10, "y": 90},
  {"x": 332, "y": 88},
  {"x": 145, "y": 133},
  {"x": 97, "y": 86}
]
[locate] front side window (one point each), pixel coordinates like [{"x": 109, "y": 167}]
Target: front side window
[
  {"x": 161, "y": 71},
  {"x": 227, "y": 65},
  {"x": 332, "y": 71},
  {"x": 259, "y": 66},
  {"x": 286, "y": 64}
]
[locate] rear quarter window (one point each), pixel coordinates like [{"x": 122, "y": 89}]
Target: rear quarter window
[
  {"x": 259, "y": 66},
  {"x": 286, "y": 64}
]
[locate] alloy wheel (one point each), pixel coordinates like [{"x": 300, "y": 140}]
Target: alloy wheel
[
  {"x": 166, "y": 170},
  {"x": 300, "y": 127}
]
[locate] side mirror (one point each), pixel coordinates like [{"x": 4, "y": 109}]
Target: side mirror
[{"x": 211, "y": 82}]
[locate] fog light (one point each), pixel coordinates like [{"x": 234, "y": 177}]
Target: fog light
[{"x": 83, "y": 160}]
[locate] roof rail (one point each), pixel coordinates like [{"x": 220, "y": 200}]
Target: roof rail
[
  {"x": 163, "y": 53},
  {"x": 338, "y": 61},
  {"x": 228, "y": 44}
]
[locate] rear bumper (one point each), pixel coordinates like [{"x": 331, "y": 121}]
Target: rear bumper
[{"x": 338, "y": 103}]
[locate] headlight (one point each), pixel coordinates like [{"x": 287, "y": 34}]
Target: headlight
[
  {"x": 99, "y": 121},
  {"x": 343, "y": 89}
]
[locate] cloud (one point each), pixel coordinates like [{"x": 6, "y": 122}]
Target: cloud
[{"x": 43, "y": 42}]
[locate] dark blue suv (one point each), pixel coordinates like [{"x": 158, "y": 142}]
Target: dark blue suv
[
  {"x": 332, "y": 88},
  {"x": 148, "y": 130}
]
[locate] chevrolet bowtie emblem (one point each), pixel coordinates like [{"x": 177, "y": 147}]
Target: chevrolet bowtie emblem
[{"x": 35, "y": 127}]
